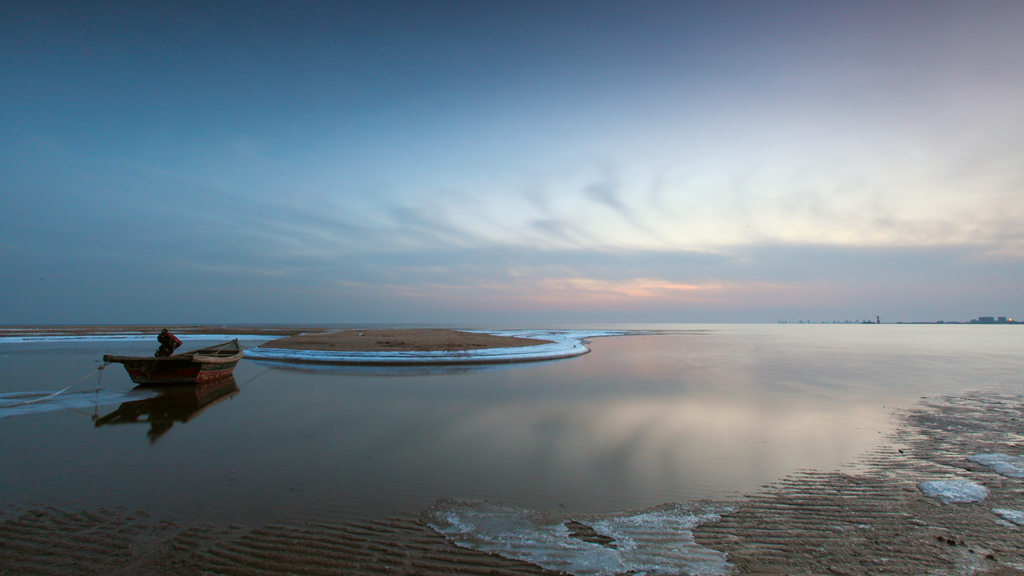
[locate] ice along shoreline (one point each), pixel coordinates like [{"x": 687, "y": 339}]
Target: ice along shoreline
[
  {"x": 560, "y": 344},
  {"x": 557, "y": 344}
]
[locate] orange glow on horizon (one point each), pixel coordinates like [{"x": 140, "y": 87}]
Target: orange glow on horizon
[{"x": 596, "y": 294}]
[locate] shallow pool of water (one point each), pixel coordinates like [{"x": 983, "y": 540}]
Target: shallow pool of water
[{"x": 699, "y": 412}]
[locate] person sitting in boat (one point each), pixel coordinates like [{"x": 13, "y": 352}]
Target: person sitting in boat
[{"x": 168, "y": 343}]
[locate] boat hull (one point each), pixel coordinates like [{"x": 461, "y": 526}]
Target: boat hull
[
  {"x": 196, "y": 367},
  {"x": 154, "y": 372}
]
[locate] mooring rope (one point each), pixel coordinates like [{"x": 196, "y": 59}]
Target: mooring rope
[
  {"x": 220, "y": 347},
  {"x": 248, "y": 347},
  {"x": 100, "y": 379},
  {"x": 240, "y": 384},
  {"x": 59, "y": 392}
]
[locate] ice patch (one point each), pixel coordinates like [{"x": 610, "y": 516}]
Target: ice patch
[
  {"x": 22, "y": 403},
  {"x": 564, "y": 343},
  {"x": 954, "y": 491},
  {"x": 1012, "y": 466},
  {"x": 1015, "y": 516},
  {"x": 655, "y": 541}
]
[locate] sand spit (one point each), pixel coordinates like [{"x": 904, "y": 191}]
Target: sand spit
[
  {"x": 394, "y": 347},
  {"x": 420, "y": 340},
  {"x": 425, "y": 346},
  {"x": 875, "y": 520}
]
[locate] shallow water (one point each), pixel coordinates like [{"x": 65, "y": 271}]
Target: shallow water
[{"x": 707, "y": 412}]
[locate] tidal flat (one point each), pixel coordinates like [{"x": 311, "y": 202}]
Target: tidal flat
[{"x": 755, "y": 449}]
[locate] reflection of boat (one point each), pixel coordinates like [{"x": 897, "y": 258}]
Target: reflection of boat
[
  {"x": 174, "y": 404},
  {"x": 197, "y": 366}
]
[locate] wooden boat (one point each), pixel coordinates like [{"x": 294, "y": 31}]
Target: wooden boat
[{"x": 195, "y": 367}]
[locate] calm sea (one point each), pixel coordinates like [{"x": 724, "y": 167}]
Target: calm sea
[{"x": 697, "y": 412}]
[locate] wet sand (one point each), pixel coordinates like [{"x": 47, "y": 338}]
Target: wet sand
[
  {"x": 877, "y": 520},
  {"x": 871, "y": 519},
  {"x": 423, "y": 347},
  {"x": 316, "y": 338},
  {"x": 421, "y": 340}
]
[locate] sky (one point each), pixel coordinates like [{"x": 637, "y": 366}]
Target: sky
[{"x": 510, "y": 162}]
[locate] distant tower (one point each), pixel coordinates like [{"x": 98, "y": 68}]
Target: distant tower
[{"x": 878, "y": 319}]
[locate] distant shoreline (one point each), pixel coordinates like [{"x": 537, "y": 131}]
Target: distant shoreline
[
  {"x": 196, "y": 329},
  {"x": 968, "y": 323},
  {"x": 426, "y": 346},
  {"x": 370, "y": 347}
]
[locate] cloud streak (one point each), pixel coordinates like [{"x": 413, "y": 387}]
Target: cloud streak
[{"x": 674, "y": 162}]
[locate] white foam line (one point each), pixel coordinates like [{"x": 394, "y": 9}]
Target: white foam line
[
  {"x": 23, "y": 403},
  {"x": 563, "y": 344}
]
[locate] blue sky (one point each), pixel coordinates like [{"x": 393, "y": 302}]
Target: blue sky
[{"x": 524, "y": 162}]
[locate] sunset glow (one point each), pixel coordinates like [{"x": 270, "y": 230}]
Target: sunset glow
[{"x": 358, "y": 162}]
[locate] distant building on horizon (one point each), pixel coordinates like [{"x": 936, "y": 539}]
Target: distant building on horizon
[
  {"x": 978, "y": 320},
  {"x": 993, "y": 320}
]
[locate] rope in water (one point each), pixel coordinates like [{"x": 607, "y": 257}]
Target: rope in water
[
  {"x": 240, "y": 384},
  {"x": 59, "y": 392},
  {"x": 100, "y": 370}
]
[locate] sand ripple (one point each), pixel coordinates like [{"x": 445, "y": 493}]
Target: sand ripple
[{"x": 870, "y": 519}]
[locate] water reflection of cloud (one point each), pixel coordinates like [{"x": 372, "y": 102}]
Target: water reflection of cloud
[{"x": 660, "y": 446}]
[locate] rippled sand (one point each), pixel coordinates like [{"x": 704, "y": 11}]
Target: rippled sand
[{"x": 871, "y": 520}]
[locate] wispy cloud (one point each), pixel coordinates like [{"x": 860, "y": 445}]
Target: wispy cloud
[{"x": 635, "y": 162}]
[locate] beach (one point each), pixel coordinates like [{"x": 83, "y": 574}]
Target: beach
[
  {"x": 421, "y": 340},
  {"x": 874, "y": 521},
  {"x": 401, "y": 346},
  {"x": 426, "y": 346},
  {"x": 299, "y": 338},
  {"x": 871, "y": 516}
]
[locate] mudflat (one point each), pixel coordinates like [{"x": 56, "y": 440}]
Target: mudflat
[
  {"x": 302, "y": 338},
  {"x": 418, "y": 339},
  {"x": 871, "y": 517},
  {"x": 874, "y": 519}
]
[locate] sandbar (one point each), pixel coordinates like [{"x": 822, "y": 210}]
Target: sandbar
[
  {"x": 425, "y": 346},
  {"x": 368, "y": 347},
  {"x": 873, "y": 517},
  {"x": 420, "y": 340}
]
